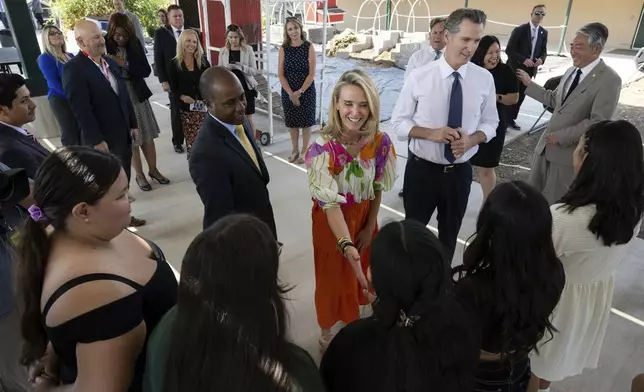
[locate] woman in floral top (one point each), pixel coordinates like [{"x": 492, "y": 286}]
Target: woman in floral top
[{"x": 349, "y": 167}]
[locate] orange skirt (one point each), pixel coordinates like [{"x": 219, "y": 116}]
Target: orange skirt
[{"x": 338, "y": 293}]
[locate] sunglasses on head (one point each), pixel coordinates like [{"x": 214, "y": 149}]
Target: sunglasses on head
[{"x": 540, "y": 13}]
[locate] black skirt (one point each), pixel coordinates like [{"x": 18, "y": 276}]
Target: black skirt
[
  {"x": 489, "y": 154},
  {"x": 506, "y": 376}
]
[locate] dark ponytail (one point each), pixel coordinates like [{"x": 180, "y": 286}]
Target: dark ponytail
[
  {"x": 33, "y": 249},
  {"x": 430, "y": 343},
  {"x": 69, "y": 176}
]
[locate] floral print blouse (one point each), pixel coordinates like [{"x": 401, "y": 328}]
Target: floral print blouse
[{"x": 338, "y": 178}]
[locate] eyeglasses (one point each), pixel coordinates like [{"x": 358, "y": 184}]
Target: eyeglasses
[
  {"x": 54, "y": 33},
  {"x": 540, "y": 13}
]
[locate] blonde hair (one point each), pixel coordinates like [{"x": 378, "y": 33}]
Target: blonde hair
[
  {"x": 181, "y": 44},
  {"x": 354, "y": 77},
  {"x": 286, "y": 41},
  {"x": 233, "y": 28},
  {"x": 51, "y": 49}
]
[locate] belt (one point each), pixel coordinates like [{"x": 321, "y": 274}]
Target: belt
[{"x": 445, "y": 168}]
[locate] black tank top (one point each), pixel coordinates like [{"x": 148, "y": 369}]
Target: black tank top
[{"x": 148, "y": 303}]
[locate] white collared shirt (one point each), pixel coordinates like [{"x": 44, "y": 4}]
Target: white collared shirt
[
  {"x": 534, "y": 36},
  {"x": 423, "y": 56},
  {"x": 21, "y": 130},
  {"x": 424, "y": 102},
  {"x": 110, "y": 77},
  {"x": 584, "y": 71},
  {"x": 176, "y": 33}
]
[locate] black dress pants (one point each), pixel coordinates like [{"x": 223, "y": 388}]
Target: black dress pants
[
  {"x": 513, "y": 110},
  {"x": 429, "y": 187},
  {"x": 175, "y": 120}
]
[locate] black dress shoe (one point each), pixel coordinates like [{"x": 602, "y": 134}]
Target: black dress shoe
[
  {"x": 178, "y": 149},
  {"x": 400, "y": 194},
  {"x": 514, "y": 125}
]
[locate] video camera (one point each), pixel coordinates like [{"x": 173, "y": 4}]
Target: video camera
[{"x": 14, "y": 187}]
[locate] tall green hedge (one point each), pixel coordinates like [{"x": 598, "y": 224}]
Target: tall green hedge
[{"x": 73, "y": 10}]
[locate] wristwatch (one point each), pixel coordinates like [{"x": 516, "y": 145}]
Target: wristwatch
[{"x": 499, "y": 97}]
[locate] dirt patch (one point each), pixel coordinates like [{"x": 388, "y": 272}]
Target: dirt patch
[{"x": 517, "y": 155}]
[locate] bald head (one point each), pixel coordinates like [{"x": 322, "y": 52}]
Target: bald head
[
  {"x": 89, "y": 38},
  {"x": 225, "y": 95}
]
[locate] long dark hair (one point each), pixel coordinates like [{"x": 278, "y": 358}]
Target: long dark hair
[
  {"x": 229, "y": 332},
  {"x": 117, "y": 20},
  {"x": 612, "y": 178},
  {"x": 512, "y": 263},
  {"x": 430, "y": 342},
  {"x": 484, "y": 46},
  {"x": 69, "y": 176}
]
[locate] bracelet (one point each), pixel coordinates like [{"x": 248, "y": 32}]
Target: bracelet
[{"x": 343, "y": 243}]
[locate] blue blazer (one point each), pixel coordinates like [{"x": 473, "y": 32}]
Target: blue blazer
[
  {"x": 52, "y": 70},
  {"x": 102, "y": 114}
]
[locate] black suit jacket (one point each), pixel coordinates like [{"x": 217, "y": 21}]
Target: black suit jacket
[
  {"x": 102, "y": 114},
  {"x": 519, "y": 47},
  {"x": 138, "y": 67},
  {"x": 165, "y": 49},
  {"x": 19, "y": 151},
  {"x": 184, "y": 82},
  {"x": 227, "y": 179}
]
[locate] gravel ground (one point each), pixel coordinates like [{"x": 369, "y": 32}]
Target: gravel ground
[{"x": 517, "y": 155}]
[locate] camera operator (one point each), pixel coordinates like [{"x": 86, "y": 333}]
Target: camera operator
[
  {"x": 18, "y": 150},
  {"x": 14, "y": 197}
]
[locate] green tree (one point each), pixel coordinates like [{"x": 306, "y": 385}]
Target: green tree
[{"x": 71, "y": 11}]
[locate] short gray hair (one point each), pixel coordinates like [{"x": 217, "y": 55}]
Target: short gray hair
[
  {"x": 454, "y": 20},
  {"x": 596, "y": 32},
  {"x": 436, "y": 21}
]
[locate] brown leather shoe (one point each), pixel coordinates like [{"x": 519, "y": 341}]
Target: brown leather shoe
[{"x": 136, "y": 222}]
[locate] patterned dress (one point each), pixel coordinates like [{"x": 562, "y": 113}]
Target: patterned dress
[
  {"x": 296, "y": 70},
  {"x": 148, "y": 126},
  {"x": 336, "y": 178}
]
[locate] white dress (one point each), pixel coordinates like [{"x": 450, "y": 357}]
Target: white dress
[{"x": 581, "y": 317}]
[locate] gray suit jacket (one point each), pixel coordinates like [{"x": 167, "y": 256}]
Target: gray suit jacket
[{"x": 594, "y": 100}]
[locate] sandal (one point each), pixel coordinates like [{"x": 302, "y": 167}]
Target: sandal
[
  {"x": 160, "y": 178},
  {"x": 143, "y": 184},
  {"x": 294, "y": 156}
]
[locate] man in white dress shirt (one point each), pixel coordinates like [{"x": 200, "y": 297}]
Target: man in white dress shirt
[
  {"x": 587, "y": 94},
  {"x": 430, "y": 52},
  {"x": 445, "y": 110}
]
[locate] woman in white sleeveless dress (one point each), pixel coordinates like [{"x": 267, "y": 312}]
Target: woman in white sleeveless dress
[{"x": 593, "y": 226}]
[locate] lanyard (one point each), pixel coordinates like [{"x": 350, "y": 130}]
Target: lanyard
[{"x": 105, "y": 68}]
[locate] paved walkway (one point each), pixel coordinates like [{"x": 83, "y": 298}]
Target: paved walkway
[{"x": 174, "y": 214}]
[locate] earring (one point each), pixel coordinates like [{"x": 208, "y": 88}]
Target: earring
[{"x": 86, "y": 220}]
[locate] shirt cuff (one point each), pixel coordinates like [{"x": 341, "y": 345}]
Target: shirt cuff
[
  {"x": 489, "y": 131},
  {"x": 403, "y": 129}
]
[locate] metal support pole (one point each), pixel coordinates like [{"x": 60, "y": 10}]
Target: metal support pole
[
  {"x": 388, "y": 17},
  {"x": 466, "y": 3},
  {"x": 325, "y": 14},
  {"x": 267, "y": 53},
  {"x": 24, "y": 36},
  {"x": 565, "y": 28}
]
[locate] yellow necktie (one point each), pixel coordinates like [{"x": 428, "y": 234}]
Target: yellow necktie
[{"x": 246, "y": 143}]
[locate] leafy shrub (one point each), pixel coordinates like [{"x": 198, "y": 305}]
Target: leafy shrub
[{"x": 74, "y": 10}]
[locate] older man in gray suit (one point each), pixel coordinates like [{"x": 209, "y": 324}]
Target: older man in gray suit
[{"x": 588, "y": 93}]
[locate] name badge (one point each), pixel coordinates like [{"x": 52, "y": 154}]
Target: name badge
[{"x": 198, "y": 106}]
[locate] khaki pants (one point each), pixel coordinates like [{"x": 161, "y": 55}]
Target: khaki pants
[{"x": 13, "y": 376}]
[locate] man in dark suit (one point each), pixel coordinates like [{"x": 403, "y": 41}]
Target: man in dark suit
[
  {"x": 165, "y": 50},
  {"x": 99, "y": 99},
  {"x": 18, "y": 150},
  {"x": 527, "y": 49},
  {"x": 226, "y": 165}
]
